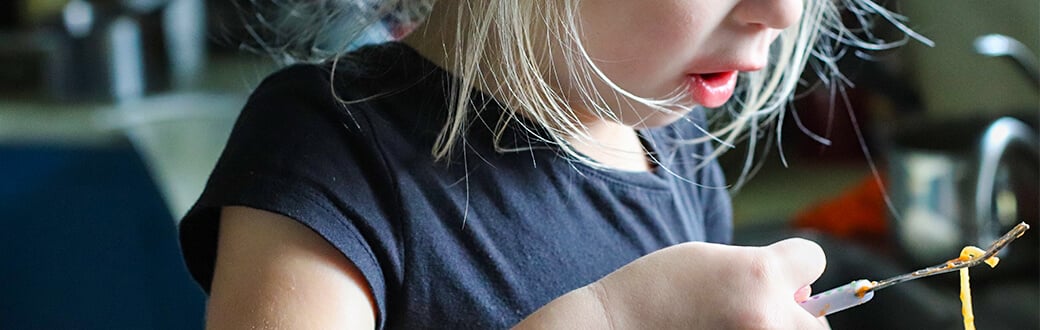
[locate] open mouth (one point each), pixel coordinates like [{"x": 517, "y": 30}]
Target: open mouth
[
  {"x": 714, "y": 76},
  {"x": 713, "y": 89}
]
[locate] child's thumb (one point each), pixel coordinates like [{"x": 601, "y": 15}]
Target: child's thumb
[{"x": 799, "y": 261}]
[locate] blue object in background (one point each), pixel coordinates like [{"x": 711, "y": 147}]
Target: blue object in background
[{"x": 86, "y": 242}]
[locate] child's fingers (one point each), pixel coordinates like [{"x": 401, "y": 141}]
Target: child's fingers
[{"x": 799, "y": 262}]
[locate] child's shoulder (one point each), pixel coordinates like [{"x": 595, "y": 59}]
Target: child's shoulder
[
  {"x": 368, "y": 68},
  {"x": 386, "y": 90}
]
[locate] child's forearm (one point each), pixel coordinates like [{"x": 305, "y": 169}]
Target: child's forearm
[{"x": 583, "y": 308}]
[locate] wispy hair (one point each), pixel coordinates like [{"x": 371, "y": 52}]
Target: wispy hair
[{"x": 508, "y": 31}]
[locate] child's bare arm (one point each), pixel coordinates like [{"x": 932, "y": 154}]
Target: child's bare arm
[
  {"x": 696, "y": 286},
  {"x": 275, "y": 273}
]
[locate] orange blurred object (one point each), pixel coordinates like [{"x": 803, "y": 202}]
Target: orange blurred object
[{"x": 858, "y": 213}]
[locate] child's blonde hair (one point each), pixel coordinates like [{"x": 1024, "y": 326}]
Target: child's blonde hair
[{"x": 508, "y": 31}]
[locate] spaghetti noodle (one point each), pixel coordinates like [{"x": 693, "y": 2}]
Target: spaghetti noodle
[{"x": 968, "y": 253}]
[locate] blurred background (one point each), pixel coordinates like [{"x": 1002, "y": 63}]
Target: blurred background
[
  {"x": 938, "y": 151},
  {"x": 112, "y": 113}
]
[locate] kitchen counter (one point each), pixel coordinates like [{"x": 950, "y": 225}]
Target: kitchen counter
[{"x": 179, "y": 134}]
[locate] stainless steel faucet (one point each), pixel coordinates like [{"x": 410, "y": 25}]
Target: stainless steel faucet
[
  {"x": 1002, "y": 134},
  {"x": 998, "y": 45}
]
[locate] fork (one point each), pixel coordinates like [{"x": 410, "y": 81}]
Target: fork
[{"x": 861, "y": 291}]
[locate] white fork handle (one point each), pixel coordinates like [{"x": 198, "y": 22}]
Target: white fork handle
[{"x": 838, "y": 299}]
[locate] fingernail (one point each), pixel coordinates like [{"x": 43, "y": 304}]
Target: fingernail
[{"x": 803, "y": 293}]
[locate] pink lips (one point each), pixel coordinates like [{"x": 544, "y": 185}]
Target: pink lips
[{"x": 712, "y": 90}]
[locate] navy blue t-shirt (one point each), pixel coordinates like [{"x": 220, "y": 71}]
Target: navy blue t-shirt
[{"x": 479, "y": 240}]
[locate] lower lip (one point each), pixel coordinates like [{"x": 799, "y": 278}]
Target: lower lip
[{"x": 713, "y": 90}]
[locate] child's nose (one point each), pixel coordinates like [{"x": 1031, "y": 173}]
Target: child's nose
[{"x": 776, "y": 14}]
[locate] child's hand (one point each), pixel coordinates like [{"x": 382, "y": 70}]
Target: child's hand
[{"x": 702, "y": 286}]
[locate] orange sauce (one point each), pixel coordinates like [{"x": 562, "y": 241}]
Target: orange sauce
[{"x": 861, "y": 291}]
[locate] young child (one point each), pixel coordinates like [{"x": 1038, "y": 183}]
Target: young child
[{"x": 513, "y": 163}]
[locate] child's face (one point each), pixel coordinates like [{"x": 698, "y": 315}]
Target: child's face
[{"x": 653, "y": 48}]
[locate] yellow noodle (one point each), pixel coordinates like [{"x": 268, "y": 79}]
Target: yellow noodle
[
  {"x": 968, "y": 253},
  {"x": 966, "y": 311}
]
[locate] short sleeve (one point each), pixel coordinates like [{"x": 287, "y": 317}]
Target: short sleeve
[{"x": 296, "y": 151}]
